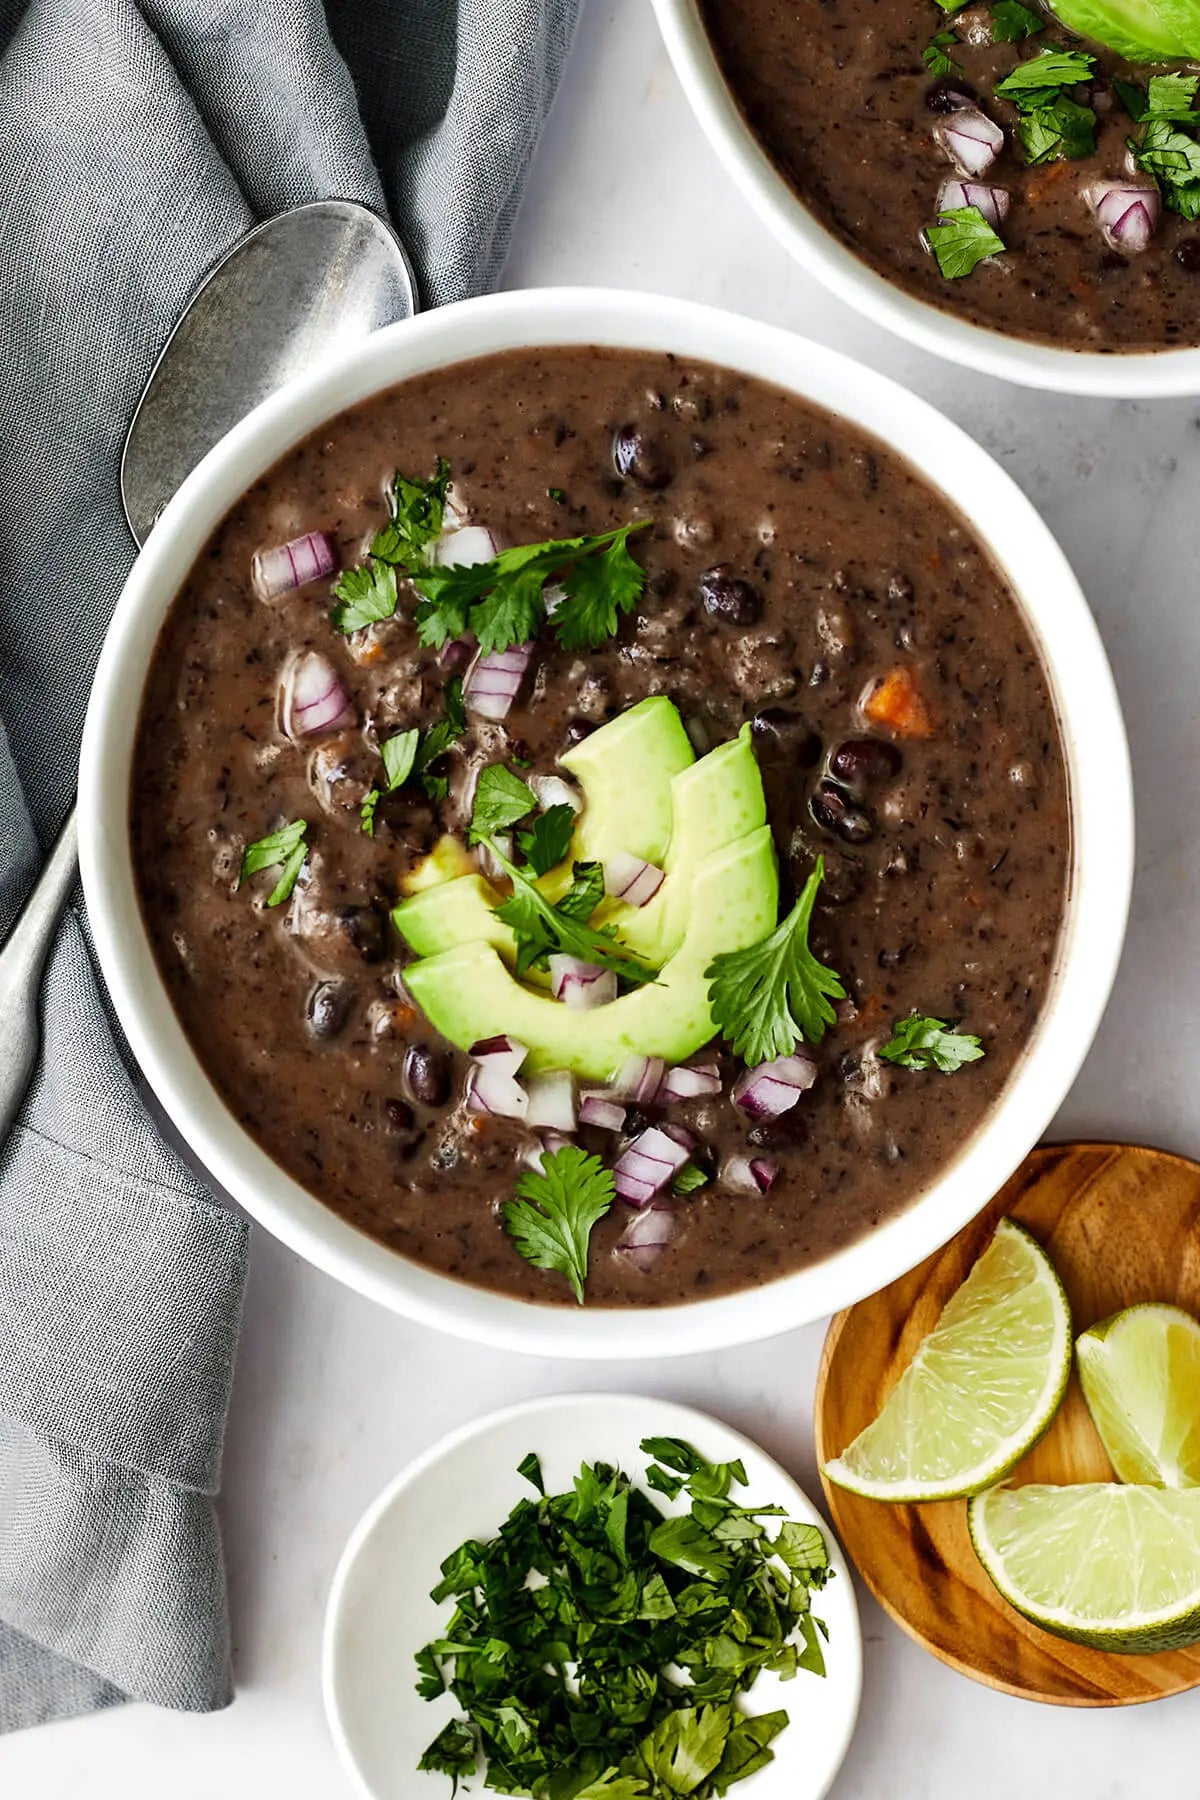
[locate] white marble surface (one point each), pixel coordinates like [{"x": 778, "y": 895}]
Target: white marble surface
[{"x": 333, "y": 1395}]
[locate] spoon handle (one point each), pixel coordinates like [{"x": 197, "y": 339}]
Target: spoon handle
[{"x": 21, "y": 962}]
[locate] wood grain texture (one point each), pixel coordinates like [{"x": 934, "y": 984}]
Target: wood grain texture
[{"x": 1122, "y": 1224}]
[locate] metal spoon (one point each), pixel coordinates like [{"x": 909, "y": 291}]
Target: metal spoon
[{"x": 293, "y": 291}]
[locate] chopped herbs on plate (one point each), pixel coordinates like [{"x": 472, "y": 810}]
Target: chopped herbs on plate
[
  {"x": 599, "y": 1647},
  {"x": 919, "y": 1043},
  {"x": 285, "y": 850},
  {"x": 768, "y": 998},
  {"x": 961, "y": 239}
]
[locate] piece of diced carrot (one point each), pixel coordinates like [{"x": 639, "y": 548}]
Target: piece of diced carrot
[{"x": 897, "y": 703}]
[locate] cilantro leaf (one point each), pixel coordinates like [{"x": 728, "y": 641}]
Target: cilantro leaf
[
  {"x": 1011, "y": 21},
  {"x": 530, "y": 1467},
  {"x": 1063, "y": 128},
  {"x": 599, "y": 589},
  {"x": 612, "y": 1785},
  {"x": 802, "y": 1548},
  {"x": 438, "y": 739},
  {"x": 1166, "y": 97},
  {"x": 364, "y": 595},
  {"x": 685, "y": 1747},
  {"x": 503, "y": 601},
  {"x": 453, "y": 1752},
  {"x": 501, "y": 798},
  {"x": 546, "y": 845},
  {"x": 398, "y": 754},
  {"x": 765, "y": 999},
  {"x": 689, "y": 1180},
  {"x": 934, "y": 54},
  {"x": 552, "y": 1218},
  {"x": 919, "y": 1043},
  {"x": 585, "y": 892},
  {"x": 542, "y": 927},
  {"x": 961, "y": 239},
  {"x": 284, "y": 849},
  {"x": 1048, "y": 69},
  {"x": 418, "y": 510},
  {"x": 747, "y": 1748},
  {"x": 1173, "y": 158}
]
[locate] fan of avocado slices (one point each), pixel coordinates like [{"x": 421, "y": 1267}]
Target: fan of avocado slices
[{"x": 1144, "y": 31}]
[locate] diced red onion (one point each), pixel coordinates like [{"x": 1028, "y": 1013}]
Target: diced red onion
[
  {"x": 313, "y": 697},
  {"x": 748, "y": 1174},
  {"x": 552, "y": 1101},
  {"x": 549, "y": 1143},
  {"x": 489, "y": 1090},
  {"x": 631, "y": 879},
  {"x": 691, "y": 1081},
  {"x": 287, "y": 567},
  {"x": 504, "y": 1053},
  {"x": 647, "y": 1235},
  {"x": 648, "y": 1164},
  {"x": 495, "y": 680},
  {"x": 970, "y": 139},
  {"x": 552, "y": 790},
  {"x": 774, "y": 1087},
  {"x": 456, "y": 653},
  {"x": 582, "y": 985},
  {"x": 990, "y": 202},
  {"x": 640, "y": 1079},
  {"x": 682, "y": 1137},
  {"x": 596, "y": 1107},
  {"x": 1126, "y": 212},
  {"x": 463, "y": 547}
]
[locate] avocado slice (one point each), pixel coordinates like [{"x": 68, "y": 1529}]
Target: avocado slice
[
  {"x": 1136, "y": 29},
  {"x": 626, "y": 769},
  {"x": 467, "y": 993},
  {"x": 714, "y": 802},
  {"x": 456, "y": 912}
]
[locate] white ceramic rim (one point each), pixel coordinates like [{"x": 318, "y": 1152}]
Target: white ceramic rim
[
  {"x": 1138, "y": 375},
  {"x": 1093, "y": 735},
  {"x": 680, "y": 1420}
]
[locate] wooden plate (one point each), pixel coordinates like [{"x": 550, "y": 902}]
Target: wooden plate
[{"x": 1122, "y": 1224}]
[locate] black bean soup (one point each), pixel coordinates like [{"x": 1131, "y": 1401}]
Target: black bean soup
[
  {"x": 1097, "y": 249},
  {"x": 796, "y": 572}
]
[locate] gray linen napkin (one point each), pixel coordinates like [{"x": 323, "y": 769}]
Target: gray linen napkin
[{"x": 138, "y": 139}]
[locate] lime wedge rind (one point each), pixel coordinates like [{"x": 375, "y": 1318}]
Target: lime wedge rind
[
  {"x": 1140, "y": 1374},
  {"x": 981, "y": 1390},
  {"x": 1107, "y": 1565}
]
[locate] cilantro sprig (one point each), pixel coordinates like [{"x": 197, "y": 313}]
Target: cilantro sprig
[
  {"x": 1052, "y": 123},
  {"x": 369, "y": 592},
  {"x": 413, "y": 752},
  {"x": 503, "y": 602},
  {"x": 936, "y": 55},
  {"x": 285, "y": 850},
  {"x": 767, "y": 998},
  {"x": 961, "y": 239},
  {"x": 541, "y": 927},
  {"x": 556, "y": 1207},
  {"x": 1164, "y": 150},
  {"x": 920, "y": 1043},
  {"x": 1011, "y": 21},
  {"x": 571, "y": 1626}
]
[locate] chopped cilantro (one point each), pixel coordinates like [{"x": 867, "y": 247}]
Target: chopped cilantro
[
  {"x": 556, "y": 1207},
  {"x": 284, "y": 849},
  {"x": 502, "y": 602},
  {"x": 961, "y": 239},
  {"x": 1011, "y": 21},
  {"x": 438, "y": 739},
  {"x": 418, "y": 510},
  {"x": 501, "y": 798},
  {"x": 689, "y": 1180},
  {"x": 555, "y": 494},
  {"x": 1166, "y": 97},
  {"x": 1173, "y": 158},
  {"x": 765, "y": 999},
  {"x": 599, "y": 1649},
  {"x": 934, "y": 54},
  {"x": 1063, "y": 128},
  {"x": 1048, "y": 69},
  {"x": 919, "y": 1043},
  {"x": 546, "y": 844},
  {"x": 399, "y": 754},
  {"x": 364, "y": 595}
]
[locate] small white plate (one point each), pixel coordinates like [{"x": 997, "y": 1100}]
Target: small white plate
[{"x": 380, "y": 1613}]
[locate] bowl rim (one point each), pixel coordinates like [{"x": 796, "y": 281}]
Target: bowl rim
[
  {"x": 1092, "y": 732},
  {"x": 1117, "y": 375}
]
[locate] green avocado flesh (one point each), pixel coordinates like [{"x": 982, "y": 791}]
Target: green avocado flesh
[
  {"x": 716, "y": 801},
  {"x": 455, "y": 912},
  {"x": 467, "y": 993},
  {"x": 626, "y": 770},
  {"x": 1165, "y": 32}
]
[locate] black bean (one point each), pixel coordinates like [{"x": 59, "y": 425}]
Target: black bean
[
  {"x": 730, "y": 599},
  {"x": 790, "y": 1128},
  {"x": 642, "y": 456},
  {"x": 364, "y": 927},
  {"x": 427, "y": 1075},
  {"x": 784, "y": 736},
  {"x": 400, "y": 1116},
  {"x": 578, "y": 729},
  {"x": 1187, "y": 255},
  {"x": 326, "y": 1008},
  {"x": 862, "y": 762},
  {"x": 833, "y": 811},
  {"x": 950, "y": 94}
]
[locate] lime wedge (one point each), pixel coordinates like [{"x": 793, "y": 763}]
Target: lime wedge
[
  {"x": 1114, "y": 1567},
  {"x": 1140, "y": 1372},
  {"x": 980, "y": 1390}
]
